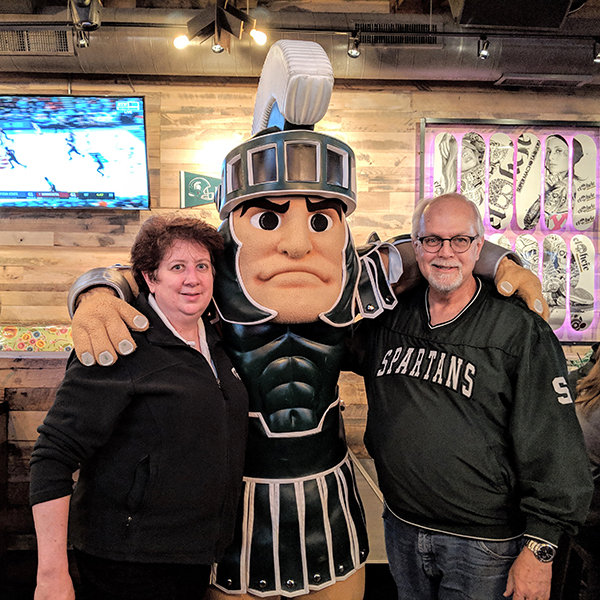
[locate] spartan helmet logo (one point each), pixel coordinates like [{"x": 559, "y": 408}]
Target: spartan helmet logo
[{"x": 199, "y": 188}]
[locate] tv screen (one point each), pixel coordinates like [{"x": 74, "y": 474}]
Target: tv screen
[{"x": 73, "y": 152}]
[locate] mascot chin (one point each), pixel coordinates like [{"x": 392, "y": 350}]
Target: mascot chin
[{"x": 287, "y": 289}]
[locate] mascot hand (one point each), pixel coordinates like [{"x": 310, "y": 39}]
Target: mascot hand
[
  {"x": 511, "y": 278},
  {"x": 100, "y": 327}
]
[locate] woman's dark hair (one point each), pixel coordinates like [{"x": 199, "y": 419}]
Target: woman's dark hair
[
  {"x": 588, "y": 388},
  {"x": 158, "y": 234}
]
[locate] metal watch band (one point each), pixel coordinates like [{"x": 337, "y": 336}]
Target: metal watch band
[{"x": 542, "y": 551}]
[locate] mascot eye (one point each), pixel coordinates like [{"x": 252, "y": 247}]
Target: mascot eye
[
  {"x": 268, "y": 220},
  {"x": 320, "y": 222}
]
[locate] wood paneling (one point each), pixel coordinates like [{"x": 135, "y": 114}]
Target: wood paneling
[
  {"x": 28, "y": 386},
  {"x": 192, "y": 127}
]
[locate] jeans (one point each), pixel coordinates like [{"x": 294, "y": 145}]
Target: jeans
[
  {"x": 103, "y": 579},
  {"x": 427, "y": 565}
]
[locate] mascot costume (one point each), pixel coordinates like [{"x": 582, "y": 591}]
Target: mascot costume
[{"x": 287, "y": 289}]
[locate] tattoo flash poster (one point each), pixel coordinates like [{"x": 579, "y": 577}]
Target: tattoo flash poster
[{"x": 536, "y": 187}]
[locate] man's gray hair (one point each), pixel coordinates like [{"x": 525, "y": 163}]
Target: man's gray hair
[{"x": 425, "y": 202}]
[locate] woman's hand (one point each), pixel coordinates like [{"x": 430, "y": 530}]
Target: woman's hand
[{"x": 55, "y": 586}]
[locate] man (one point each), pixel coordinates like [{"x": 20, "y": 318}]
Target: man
[{"x": 471, "y": 426}]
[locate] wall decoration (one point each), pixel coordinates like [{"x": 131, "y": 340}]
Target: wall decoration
[
  {"x": 535, "y": 184},
  {"x": 15, "y": 338},
  {"x": 196, "y": 190}
]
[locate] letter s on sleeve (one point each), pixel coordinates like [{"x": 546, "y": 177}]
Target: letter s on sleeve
[{"x": 562, "y": 389}]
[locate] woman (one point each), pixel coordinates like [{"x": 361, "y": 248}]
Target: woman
[{"x": 159, "y": 438}]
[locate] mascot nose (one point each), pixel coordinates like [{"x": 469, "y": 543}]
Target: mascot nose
[{"x": 295, "y": 241}]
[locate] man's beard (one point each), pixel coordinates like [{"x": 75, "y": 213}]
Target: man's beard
[{"x": 445, "y": 282}]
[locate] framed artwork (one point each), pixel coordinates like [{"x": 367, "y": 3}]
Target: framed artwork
[{"x": 535, "y": 184}]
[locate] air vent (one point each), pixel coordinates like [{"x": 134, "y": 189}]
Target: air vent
[
  {"x": 543, "y": 80},
  {"x": 398, "y": 34},
  {"x": 41, "y": 42}
]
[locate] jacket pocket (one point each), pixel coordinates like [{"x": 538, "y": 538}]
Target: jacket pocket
[{"x": 139, "y": 485}]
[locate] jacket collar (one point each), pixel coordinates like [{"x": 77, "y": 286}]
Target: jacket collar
[{"x": 158, "y": 333}]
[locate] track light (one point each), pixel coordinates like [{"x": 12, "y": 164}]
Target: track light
[
  {"x": 353, "y": 45},
  {"x": 483, "y": 48},
  {"x": 597, "y": 52},
  {"x": 260, "y": 37},
  {"x": 86, "y": 14},
  {"x": 220, "y": 23},
  {"x": 83, "y": 38},
  {"x": 181, "y": 42}
]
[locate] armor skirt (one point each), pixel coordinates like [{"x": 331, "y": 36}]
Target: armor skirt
[{"x": 294, "y": 536}]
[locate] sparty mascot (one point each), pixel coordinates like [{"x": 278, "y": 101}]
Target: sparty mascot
[{"x": 287, "y": 290}]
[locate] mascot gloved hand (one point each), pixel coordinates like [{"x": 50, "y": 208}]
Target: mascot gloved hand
[
  {"x": 102, "y": 316},
  {"x": 512, "y": 278}
]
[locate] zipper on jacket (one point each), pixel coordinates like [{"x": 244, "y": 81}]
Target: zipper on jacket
[{"x": 129, "y": 519}]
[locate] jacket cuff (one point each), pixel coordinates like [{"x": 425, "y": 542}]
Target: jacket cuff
[
  {"x": 544, "y": 532},
  {"x": 490, "y": 257}
]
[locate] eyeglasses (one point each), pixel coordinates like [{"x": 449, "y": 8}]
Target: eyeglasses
[{"x": 458, "y": 243}]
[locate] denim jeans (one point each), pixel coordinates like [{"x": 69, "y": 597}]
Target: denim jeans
[{"x": 427, "y": 565}]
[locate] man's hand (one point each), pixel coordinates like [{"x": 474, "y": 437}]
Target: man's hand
[
  {"x": 100, "y": 327},
  {"x": 528, "y": 578},
  {"x": 511, "y": 278}
]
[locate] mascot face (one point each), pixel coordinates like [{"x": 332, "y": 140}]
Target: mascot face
[{"x": 291, "y": 254}]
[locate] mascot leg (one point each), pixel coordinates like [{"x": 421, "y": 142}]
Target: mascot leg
[{"x": 352, "y": 588}]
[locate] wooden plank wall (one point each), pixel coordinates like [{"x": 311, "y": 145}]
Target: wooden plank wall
[
  {"x": 192, "y": 127},
  {"x": 27, "y": 387}
]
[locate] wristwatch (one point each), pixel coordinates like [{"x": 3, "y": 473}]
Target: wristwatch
[{"x": 543, "y": 552}]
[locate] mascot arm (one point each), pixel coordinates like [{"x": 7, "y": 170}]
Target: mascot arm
[
  {"x": 495, "y": 262},
  {"x": 99, "y": 304},
  {"x": 504, "y": 267}
]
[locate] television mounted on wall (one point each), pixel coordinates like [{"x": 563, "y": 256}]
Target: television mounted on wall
[{"x": 73, "y": 152}]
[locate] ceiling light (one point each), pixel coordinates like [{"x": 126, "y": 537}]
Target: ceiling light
[
  {"x": 597, "y": 52},
  {"x": 181, "y": 42},
  {"x": 83, "y": 38},
  {"x": 220, "y": 22},
  {"x": 353, "y": 45},
  {"x": 260, "y": 37},
  {"x": 86, "y": 14},
  {"x": 483, "y": 48}
]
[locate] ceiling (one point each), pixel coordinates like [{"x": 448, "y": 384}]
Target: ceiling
[{"x": 540, "y": 43}]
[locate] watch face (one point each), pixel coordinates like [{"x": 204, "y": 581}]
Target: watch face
[{"x": 545, "y": 553}]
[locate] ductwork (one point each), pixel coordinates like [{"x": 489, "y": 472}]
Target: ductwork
[{"x": 393, "y": 47}]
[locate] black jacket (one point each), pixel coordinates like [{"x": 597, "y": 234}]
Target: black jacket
[{"x": 161, "y": 448}]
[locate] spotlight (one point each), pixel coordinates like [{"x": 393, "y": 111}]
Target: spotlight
[
  {"x": 181, "y": 42},
  {"x": 353, "y": 45},
  {"x": 597, "y": 52},
  {"x": 483, "y": 48},
  {"x": 83, "y": 38},
  {"x": 260, "y": 37},
  {"x": 220, "y": 22},
  {"x": 86, "y": 14}
]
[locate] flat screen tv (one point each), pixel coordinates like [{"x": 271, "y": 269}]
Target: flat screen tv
[{"x": 73, "y": 152}]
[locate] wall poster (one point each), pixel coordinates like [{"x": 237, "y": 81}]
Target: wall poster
[{"x": 536, "y": 185}]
